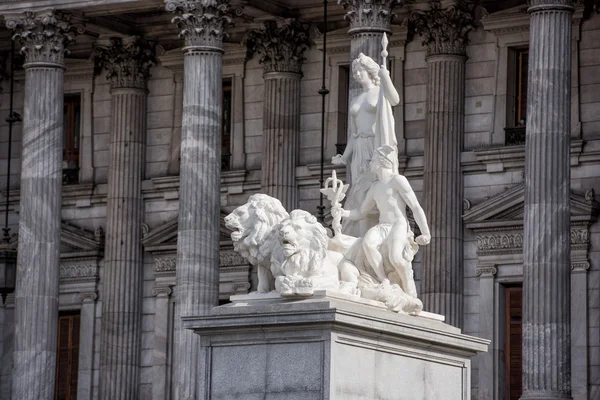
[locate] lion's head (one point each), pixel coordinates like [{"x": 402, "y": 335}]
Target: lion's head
[
  {"x": 253, "y": 227},
  {"x": 304, "y": 243}
]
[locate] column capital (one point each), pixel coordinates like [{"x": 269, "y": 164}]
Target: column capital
[
  {"x": 281, "y": 45},
  {"x": 369, "y": 16},
  {"x": 486, "y": 271},
  {"x": 126, "y": 60},
  {"x": 43, "y": 35},
  {"x": 202, "y": 23},
  {"x": 444, "y": 30},
  {"x": 161, "y": 291},
  {"x": 88, "y": 297},
  {"x": 580, "y": 266}
]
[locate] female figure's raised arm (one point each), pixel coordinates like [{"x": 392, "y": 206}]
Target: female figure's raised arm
[{"x": 389, "y": 91}]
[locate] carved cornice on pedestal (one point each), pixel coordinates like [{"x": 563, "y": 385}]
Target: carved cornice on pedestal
[
  {"x": 370, "y": 15},
  {"x": 444, "y": 30},
  {"x": 202, "y": 23},
  {"x": 43, "y": 35},
  {"x": 127, "y": 61},
  {"x": 281, "y": 45}
]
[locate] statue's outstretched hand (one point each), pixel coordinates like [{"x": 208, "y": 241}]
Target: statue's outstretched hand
[
  {"x": 338, "y": 159},
  {"x": 338, "y": 212},
  {"x": 423, "y": 240}
]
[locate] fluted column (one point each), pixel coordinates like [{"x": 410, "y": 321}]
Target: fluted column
[
  {"x": 202, "y": 27},
  {"x": 43, "y": 37},
  {"x": 281, "y": 47},
  {"x": 444, "y": 32},
  {"x": 369, "y": 20},
  {"x": 546, "y": 242},
  {"x": 127, "y": 62}
]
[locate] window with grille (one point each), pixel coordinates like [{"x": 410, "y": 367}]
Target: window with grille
[
  {"x": 521, "y": 69},
  {"x": 226, "y": 126},
  {"x": 513, "y": 341},
  {"x": 67, "y": 360},
  {"x": 71, "y": 138},
  {"x": 517, "y": 97}
]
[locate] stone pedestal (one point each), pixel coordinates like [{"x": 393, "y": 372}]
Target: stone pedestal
[{"x": 326, "y": 347}]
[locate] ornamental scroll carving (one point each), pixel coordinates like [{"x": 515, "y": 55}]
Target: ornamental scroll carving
[
  {"x": 127, "y": 61},
  {"x": 44, "y": 35},
  {"x": 515, "y": 241},
  {"x": 79, "y": 271},
  {"x": 444, "y": 30},
  {"x": 166, "y": 264},
  {"x": 226, "y": 259},
  {"x": 202, "y": 23},
  {"x": 281, "y": 45}
]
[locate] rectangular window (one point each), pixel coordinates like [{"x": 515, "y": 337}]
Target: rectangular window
[
  {"x": 513, "y": 341},
  {"x": 226, "y": 126},
  {"x": 521, "y": 71},
  {"x": 343, "y": 93},
  {"x": 67, "y": 360},
  {"x": 71, "y": 135}
]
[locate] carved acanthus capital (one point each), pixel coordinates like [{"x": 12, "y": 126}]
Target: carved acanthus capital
[
  {"x": 43, "y": 36},
  {"x": 202, "y": 23},
  {"x": 370, "y": 15},
  {"x": 127, "y": 61},
  {"x": 281, "y": 45},
  {"x": 444, "y": 30}
]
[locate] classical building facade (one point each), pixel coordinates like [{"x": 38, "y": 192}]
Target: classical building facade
[{"x": 144, "y": 122}]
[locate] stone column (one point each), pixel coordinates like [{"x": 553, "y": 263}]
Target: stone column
[
  {"x": 43, "y": 37},
  {"x": 546, "y": 240},
  {"x": 127, "y": 62},
  {"x": 368, "y": 21},
  {"x": 202, "y": 27},
  {"x": 281, "y": 47},
  {"x": 86, "y": 345},
  {"x": 444, "y": 32}
]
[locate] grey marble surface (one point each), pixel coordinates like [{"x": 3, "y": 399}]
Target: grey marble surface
[{"x": 546, "y": 239}]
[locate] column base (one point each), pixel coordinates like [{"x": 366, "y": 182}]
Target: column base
[{"x": 326, "y": 347}]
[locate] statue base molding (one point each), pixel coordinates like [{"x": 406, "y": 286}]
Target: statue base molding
[{"x": 328, "y": 346}]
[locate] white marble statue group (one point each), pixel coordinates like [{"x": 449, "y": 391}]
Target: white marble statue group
[{"x": 370, "y": 258}]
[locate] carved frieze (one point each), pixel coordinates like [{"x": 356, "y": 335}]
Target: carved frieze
[
  {"x": 165, "y": 264},
  {"x": 280, "y": 44},
  {"x": 43, "y": 36},
  {"x": 202, "y": 23},
  {"x": 127, "y": 61},
  {"x": 79, "y": 272},
  {"x": 444, "y": 30},
  {"x": 514, "y": 242},
  {"x": 370, "y": 15}
]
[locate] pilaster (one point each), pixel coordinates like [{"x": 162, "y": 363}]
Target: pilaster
[
  {"x": 127, "y": 63},
  {"x": 86, "y": 345},
  {"x": 444, "y": 33},
  {"x": 546, "y": 250},
  {"x": 43, "y": 37},
  {"x": 161, "y": 342},
  {"x": 202, "y": 25},
  {"x": 281, "y": 47}
]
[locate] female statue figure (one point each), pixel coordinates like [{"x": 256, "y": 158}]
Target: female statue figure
[{"x": 371, "y": 126}]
